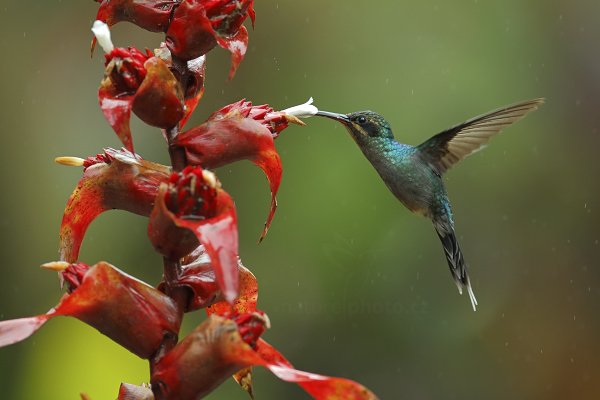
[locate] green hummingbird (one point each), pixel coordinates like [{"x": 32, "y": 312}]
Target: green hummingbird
[{"x": 414, "y": 173}]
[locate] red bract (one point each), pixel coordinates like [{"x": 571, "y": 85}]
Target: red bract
[
  {"x": 245, "y": 303},
  {"x": 130, "y": 312},
  {"x": 198, "y": 276},
  {"x": 152, "y": 15},
  {"x": 116, "y": 179},
  {"x": 192, "y": 73},
  {"x": 196, "y": 70},
  {"x": 141, "y": 83},
  {"x": 240, "y": 131},
  {"x": 192, "y": 209},
  {"x": 199, "y": 25},
  {"x": 246, "y": 300},
  {"x": 318, "y": 386},
  {"x": 216, "y": 349},
  {"x": 274, "y": 121}
]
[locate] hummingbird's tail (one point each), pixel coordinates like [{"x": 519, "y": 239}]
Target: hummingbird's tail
[{"x": 456, "y": 261}]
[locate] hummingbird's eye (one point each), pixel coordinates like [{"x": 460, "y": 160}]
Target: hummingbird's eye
[{"x": 361, "y": 120}]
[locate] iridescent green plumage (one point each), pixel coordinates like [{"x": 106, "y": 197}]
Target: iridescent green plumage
[{"x": 414, "y": 173}]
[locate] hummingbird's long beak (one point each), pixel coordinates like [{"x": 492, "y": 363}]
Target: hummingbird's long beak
[{"x": 335, "y": 116}]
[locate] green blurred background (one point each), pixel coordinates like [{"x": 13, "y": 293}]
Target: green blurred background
[{"x": 354, "y": 284}]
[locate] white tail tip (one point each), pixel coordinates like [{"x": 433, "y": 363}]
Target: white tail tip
[{"x": 472, "y": 296}]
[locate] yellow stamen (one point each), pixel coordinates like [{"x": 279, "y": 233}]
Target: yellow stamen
[
  {"x": 57, "y": 266},
  {"x": 70, "y": 161}
]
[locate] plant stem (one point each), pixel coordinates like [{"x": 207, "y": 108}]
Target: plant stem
[
  {"x": 177, "y": 154},
  {"x": 172, "y": 268}
]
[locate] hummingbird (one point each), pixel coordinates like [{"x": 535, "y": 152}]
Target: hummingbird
[{"x": 414, "y": 173}]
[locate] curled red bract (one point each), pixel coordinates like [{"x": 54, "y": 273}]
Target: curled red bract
[
  {"x": 240, "y": 131},
  {"x": 216, "y": 349},
  {"x": 199, "y": 25},
  {"x": 115, "y": 179},
  {"x": 152, "y": 15},
  {"x": 130, "y": 312},
  {"x": 138, "y": 82}
]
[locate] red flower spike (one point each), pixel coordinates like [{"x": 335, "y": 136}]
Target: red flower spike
[
  {"x": 133, "y": 392},
  {"x": 215, "y": 349},
  {"x": 199, "y": 25},
  {"x": 141, "y": 83},
  {"x": 133, "y": 314},
  {"x": 194, "y": 204},
  {"x": 152, "y": 15},
  {"x": 116, "y": 179},
  {"x": 239, "y": 131}
]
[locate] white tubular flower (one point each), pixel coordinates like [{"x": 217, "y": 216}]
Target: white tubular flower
[
  {"x": 305, "y": 110},
  {"x": 102, "y": 33}
]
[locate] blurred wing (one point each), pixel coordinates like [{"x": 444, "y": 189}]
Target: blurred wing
[{"x": 445, "y": 149}]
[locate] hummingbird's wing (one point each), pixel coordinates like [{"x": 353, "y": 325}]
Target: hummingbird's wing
[{"x": 447, "y": 148}]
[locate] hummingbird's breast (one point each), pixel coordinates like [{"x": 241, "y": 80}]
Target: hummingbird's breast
[{"x": 411, "y": 180}]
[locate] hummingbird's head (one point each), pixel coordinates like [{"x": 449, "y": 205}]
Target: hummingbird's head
[{"x": 362, "y": 124}]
